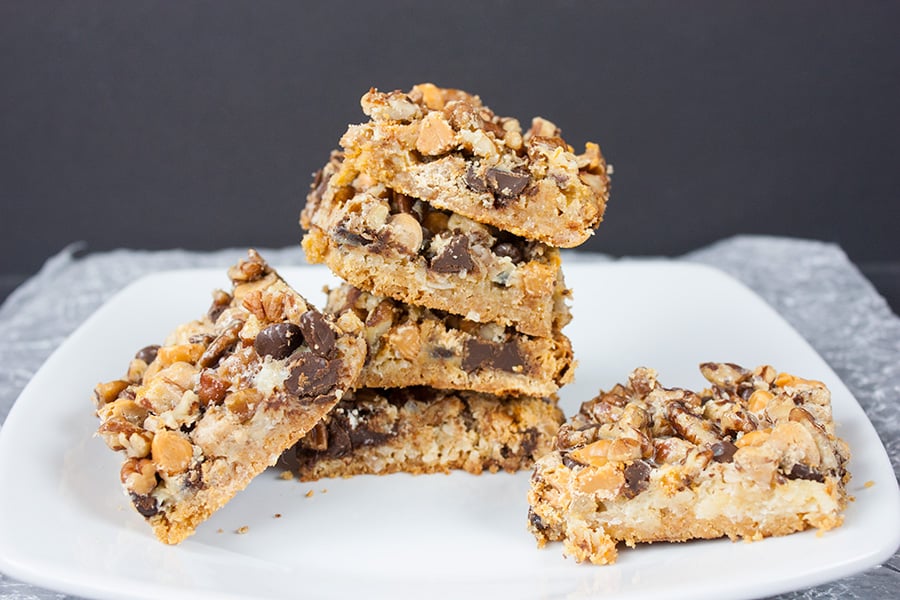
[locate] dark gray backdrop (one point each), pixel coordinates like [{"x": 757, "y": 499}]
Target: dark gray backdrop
[{"x": 198, "y": 124}]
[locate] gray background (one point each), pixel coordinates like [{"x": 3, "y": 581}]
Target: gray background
[{"x": 197, "y": 124}]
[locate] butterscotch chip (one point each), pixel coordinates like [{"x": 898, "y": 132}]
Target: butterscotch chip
[
  {"x": 445, "y": 147},
  {"x": 422, "y": 430},
  {"x": 224, "y": 396},
  {"x": 750, "y": 457}
]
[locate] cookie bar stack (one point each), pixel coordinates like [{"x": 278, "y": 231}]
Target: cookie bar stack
[{"x": 445, "y": 221}]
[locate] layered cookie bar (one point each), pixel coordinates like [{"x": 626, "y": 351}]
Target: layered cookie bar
[
  {"x": 392, "y": 245},
  {"x": 219, "y": 401},
  {"x": 754, "y": 455},
  {"x": 445, "y": 147},
  {"x": 412, "y": 345},
  {"x": 421, "y": 430}
]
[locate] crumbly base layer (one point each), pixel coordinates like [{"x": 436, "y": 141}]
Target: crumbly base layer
[
  {"x": 420, "y": 430},
  {"x": 445, "y": 147},
  {"x": 222, "y": 398},
  {"x": 412, "y": 345},
  {"x": 753, "y": 456}
]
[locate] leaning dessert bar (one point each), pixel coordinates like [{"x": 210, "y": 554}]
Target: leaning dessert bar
[{"x": 219, "y": 401}]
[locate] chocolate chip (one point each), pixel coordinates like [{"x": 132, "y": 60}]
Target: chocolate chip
[
  {"x": 147, "y": 353},
  {"x": 361, "y": 436},
  {"x": 509, "y": 250},
  {"x": 320, "y": 184},
  {"x": 723, "y": 452},
  {"x": 477, "y": 353},
  {"x": 338, "y": 439},
  {"x": 508, "y": 358},
  {"x": 146, "y": 505},
  {"x": 404, "y": 204},
  {"x": 319, "y": 335},
  {"x": 455, "y": 257},
  {"x": 481, "y": 354},
  {"x": 311, "y": 375},
  {"x": 570, "y": 462},
  {"x": 535, "y": 520},
  {"x": 474, "y": 181},
  {"x": 441, "y": 353},
  {"x": 278, "y": 340},
  {"x": 342, "y": 235},
  {"x": 801, "y": 471},
  {"x": 507, "y": 184},
  {"x": 529, "y": 442},
  {"x": 637, "y": 478}
]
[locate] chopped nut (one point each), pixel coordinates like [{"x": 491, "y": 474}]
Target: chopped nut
[
  {"x": 171, "y": 452},
  {"x": 671, "y": 450},
  {"x": 766, "y": 372},
  {"x": 479, "y": 143},
  {"x": 123, "y": 408},
  {"x": 393, "y": 106},
  {"x": 430, "y": 95},
  {"x": 591, "y": 160},
  {"x": 405, "y": 339},
  {"x": 405, "y": 232},
  {"x": 180, "y": 374},
  {"x": 543, "y": 128},
  {"x": 513, "y": 140},
  {"x": 107, "y": 392},
  {"x": 243, "y": 402},
  {"x": 724, "y": 375},
  {"x": 251, "y": 269},
  {"x": 120, "y": 434},
  {"x": 690, "y": 426},
  {"x": 138, "y": 475},
  {"x": 212, "y": 389},
  {"x": 221, "y": 344}
]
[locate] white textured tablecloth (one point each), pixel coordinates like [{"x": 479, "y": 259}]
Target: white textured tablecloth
[{"x": 811, "y": 284}]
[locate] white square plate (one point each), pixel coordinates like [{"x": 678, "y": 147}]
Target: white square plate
[{"x": 65, "y": 524}]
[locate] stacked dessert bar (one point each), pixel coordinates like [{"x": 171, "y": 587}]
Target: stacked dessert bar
[{"x": 445, "y": 222}]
